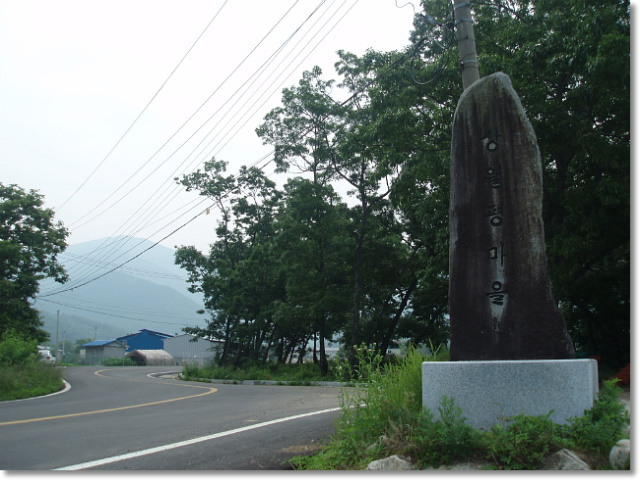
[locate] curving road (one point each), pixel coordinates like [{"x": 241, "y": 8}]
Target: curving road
[{"x": 123, "y": 418}]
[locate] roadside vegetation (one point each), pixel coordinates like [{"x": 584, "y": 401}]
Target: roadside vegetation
[
  {"x": 304, "y": 373},
  {"x": 384, "y": 416},
  {"x": 22, "y": 375},
  {"x": 117, "y": 362}
]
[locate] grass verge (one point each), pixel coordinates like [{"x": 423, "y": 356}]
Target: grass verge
[
  {"x": 298, "y": 373},
  {"x": 385, "y": 417},
  {"x": 30, "y": 380}
]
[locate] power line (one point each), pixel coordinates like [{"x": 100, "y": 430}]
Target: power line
[
  {"x": 131, "y": 259},
  {"x": 127, "y": 317},
  {"x": 182, "y": 126},
  {"x": 394, "y": 65},
  {"x": 137, "y": 271},
  {"x": 262, "y": 68},
  {"x": 206, "y": 210},
  {"x": 143, "y": 110},
  {"x": 78, "y": 283},
  {"x": 237, "y": 112},
  {"x": 71, "y": 301},
  {"x": 177, "y": 131},
  {"x": 379, "y": 75}
]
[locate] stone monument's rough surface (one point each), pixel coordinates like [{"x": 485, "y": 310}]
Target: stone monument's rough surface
[
  {"x": 489, "y": 392},
  {"x": 500, "y": 299}
]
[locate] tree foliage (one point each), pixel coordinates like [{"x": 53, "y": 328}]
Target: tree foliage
[
  {"x": 304, "y": 265},
  {"x": 570, "y": 63},
  {"x": 30, "y": 243}
]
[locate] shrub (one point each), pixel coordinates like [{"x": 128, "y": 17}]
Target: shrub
[
  {"x": 386, "y": 402},
  {"x": 524, "y": 442},
  {"x": 448, "y": 439},
  {"x": 30, "y": 380},
  {"x": 301, "y": 374},
  {"x": 191, "y": 371},
  {"x": 117, "y": 362},
  {"x": 384, "y": 416},
  {"x": 15, "y": 350},
  {"x": 601, "y": 426}
]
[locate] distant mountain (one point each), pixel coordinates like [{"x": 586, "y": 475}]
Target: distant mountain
[
  {"x": 75, "y": 327},
  {"x": 156, "y": 264},
  {"x": 148, "y": 292}
]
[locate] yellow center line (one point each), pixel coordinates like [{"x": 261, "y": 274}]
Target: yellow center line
[{"x": 209, "y": 391}]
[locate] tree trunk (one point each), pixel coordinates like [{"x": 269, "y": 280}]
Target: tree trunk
[
  {"x": 396, "y": 318},
  {"x": 357, "y": 283},
  {"x": 324, "y": 364},
  {"x": 315, "y": 353}
]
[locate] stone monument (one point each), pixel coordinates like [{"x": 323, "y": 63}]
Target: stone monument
[{"x": 500, "y": 300}]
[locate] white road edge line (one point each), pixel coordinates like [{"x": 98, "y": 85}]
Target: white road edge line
[{"x": 164, "y": 448}]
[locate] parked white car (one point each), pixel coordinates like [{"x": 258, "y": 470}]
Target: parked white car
[{"x": 45, "y": 355}]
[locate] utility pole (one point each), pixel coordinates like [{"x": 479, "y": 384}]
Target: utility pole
[
  {"x": 57, "y": 335},
  {"x": 466, "y": 43}
]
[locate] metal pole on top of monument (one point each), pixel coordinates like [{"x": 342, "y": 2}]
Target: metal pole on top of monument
[
  {"x": 510, "y": 349},
  {"x": 466, "y": 43}
]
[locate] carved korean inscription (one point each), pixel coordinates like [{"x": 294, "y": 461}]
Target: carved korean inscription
[{"x": 497, "y": 294}]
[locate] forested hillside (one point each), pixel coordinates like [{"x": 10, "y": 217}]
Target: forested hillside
[
  {"x": 300, "y": 264},
  {"x": 149, "y": 292}
]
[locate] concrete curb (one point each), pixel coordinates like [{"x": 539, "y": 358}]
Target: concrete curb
[
  {"x": 176, "y": 375},
  {"x": 276, "y": 382}
]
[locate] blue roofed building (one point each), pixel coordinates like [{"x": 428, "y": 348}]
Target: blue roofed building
[
  {"x": 93, "y": 352},
  {"x": 144, "y": 340}
]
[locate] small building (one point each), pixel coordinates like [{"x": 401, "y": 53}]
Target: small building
[
  {"x": 144, "y": 340},
  {"x": 94, "y": 352},
  {"x": 151, "y": 358},
  {"x": 189, "y": 348}
]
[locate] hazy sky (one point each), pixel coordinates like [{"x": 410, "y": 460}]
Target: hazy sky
[{"x": 75, "y": 75}]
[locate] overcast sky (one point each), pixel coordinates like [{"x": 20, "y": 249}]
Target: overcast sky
[{"x": 75, "y": 76}]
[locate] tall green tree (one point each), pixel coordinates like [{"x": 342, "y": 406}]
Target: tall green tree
[
  {"x": 239, "y": 277},
  {"x": 30, "y": 242},
  {"x": 408, "y": 133},
  {"x": 569, "y": 62},
  {"x": 360, "y": 163},
  {"x": 305, "y": 129},
  {"x": 315, "y": 248}
]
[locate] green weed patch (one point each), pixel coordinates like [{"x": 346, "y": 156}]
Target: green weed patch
[
  {"x": 31, "y": 380},
  {"x": 302, "y": 374}
]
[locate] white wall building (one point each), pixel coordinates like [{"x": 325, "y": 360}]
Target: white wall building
[{"x": 184, "y": 350}]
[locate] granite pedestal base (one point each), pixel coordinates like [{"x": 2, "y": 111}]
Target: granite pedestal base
[{"x": 489, "y": 391}]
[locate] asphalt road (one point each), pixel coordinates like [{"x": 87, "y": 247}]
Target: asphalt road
[{"x": 122, "y": 418}]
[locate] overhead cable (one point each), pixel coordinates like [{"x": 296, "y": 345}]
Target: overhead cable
[
  {"x": 174, "y": 134},
  {"x": 394, "y": 65},
  {"x": 143, "y": 110},
  {"x": 280, "y": 49}
]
